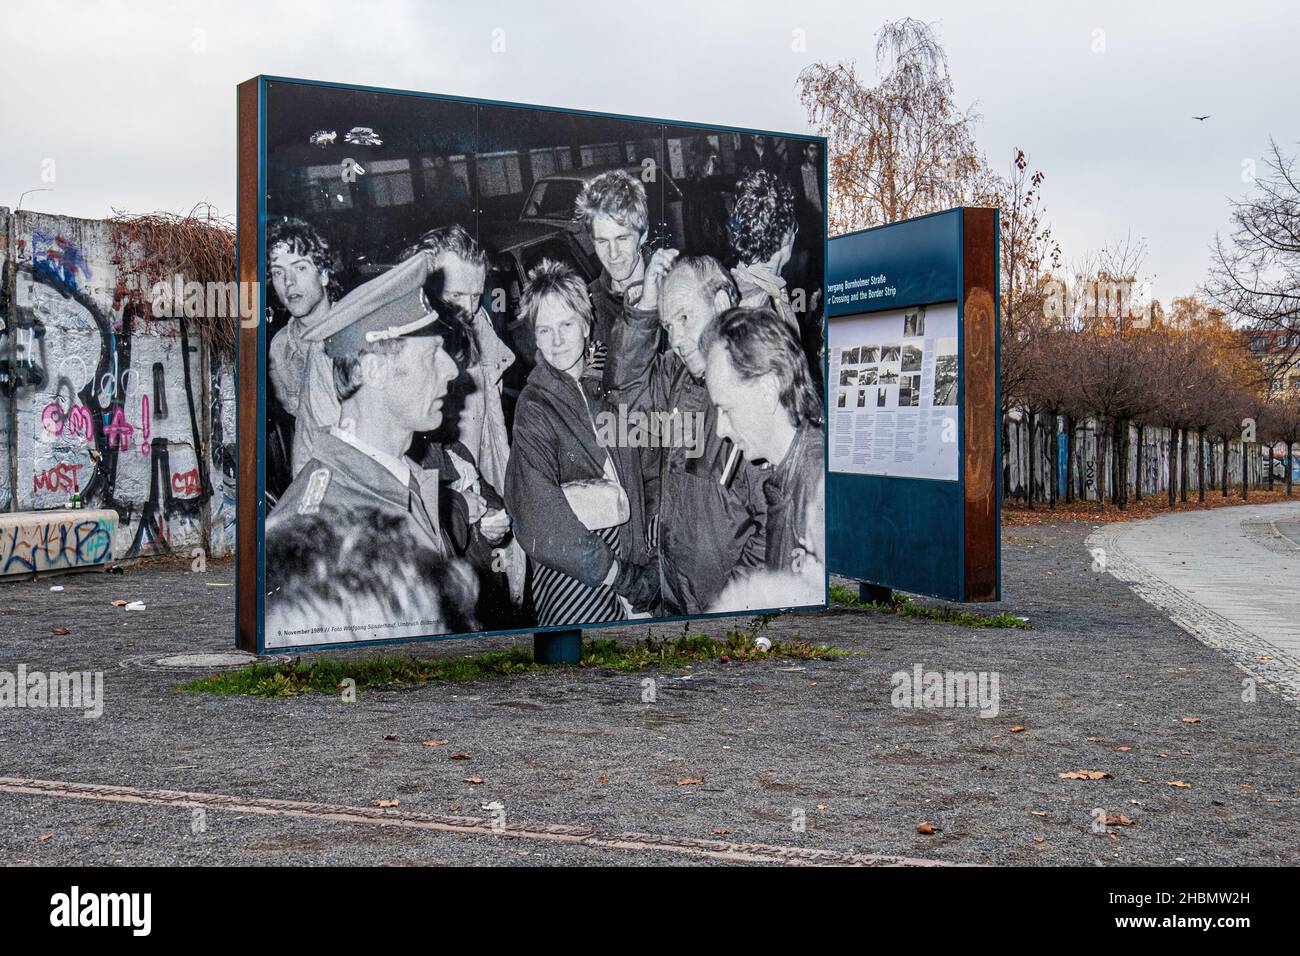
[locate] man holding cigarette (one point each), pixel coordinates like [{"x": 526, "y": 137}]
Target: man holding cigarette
[
  {"x": 711, "y": 527},
  {"x": 759, "y": 380}
]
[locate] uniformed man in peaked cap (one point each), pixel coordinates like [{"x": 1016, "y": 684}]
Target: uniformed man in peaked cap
[{"x": 391, "y": 373}]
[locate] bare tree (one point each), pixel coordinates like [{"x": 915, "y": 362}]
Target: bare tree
[
  {"x": 900, "y": 148},
  {"x": 1255, "y": 272}
]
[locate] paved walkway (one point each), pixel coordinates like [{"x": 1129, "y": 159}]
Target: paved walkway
[{"x": 1230, "y": 577}]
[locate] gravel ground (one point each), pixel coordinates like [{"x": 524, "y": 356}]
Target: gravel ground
[{"x": 1100, "y": 670}]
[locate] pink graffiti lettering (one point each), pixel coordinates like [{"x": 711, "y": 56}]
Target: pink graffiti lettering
[
  {"x": 59, "y": 478},
  {"x": 119, "y": 430},
  {"x": 77, "y": 420}
]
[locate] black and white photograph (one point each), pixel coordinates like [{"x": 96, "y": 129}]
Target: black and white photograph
[
  {"x": 909, "y": 391},
  {"x": 869, "y": 354},
  {"x": 843, "y": 401},
  {"x": 867, "y": 376},
  {"x": 848, "y": 376},
  {"x": 882, "y": 396},
  {"x": 889, "y": 353},
  {"x": 945, "y": 380},
  {"x": 862, "y": 398},
  {"x": 911, "y": 361},
  {"x": 889, "y": 376},
  {"x": 849, "y": 357},
  {"x": 914, "y": 323},
  {"x": 528, "y": 368}
]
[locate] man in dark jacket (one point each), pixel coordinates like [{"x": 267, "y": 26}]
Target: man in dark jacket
[
  {"x": 711, "y": 519},
  {"x": 759, "y": 380},
  {"x": 613, "y": 208}
]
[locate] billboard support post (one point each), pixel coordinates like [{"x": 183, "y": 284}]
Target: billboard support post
[
  {"x": 557, "y": 647},
  {"x": 874, "y": 594}
]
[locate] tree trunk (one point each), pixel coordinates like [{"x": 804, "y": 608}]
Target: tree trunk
[
  {"x": 1224, "y": 439},
  {"x": 1182, "y": 465},
  {"x": 1055, "y": 455},
  {"x": 1137, "y": 485},
  {"x": 1119, "y": 489},
  {"x": 1268, "y": 463},
  {"x": 1030, "y": 461},
  {"x": 1245, "y": 473},
  {"x": 1171, "y": 488},
  {"x": 1290, "y": 467},
  {"x": 1200, "y": 468},
  {"x": 1006, "y": 457},
  {"x": 1101, "y": 465},
  {"x": 1069, "y": 459}
]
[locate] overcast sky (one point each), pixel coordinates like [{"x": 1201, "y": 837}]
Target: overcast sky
[{"x": 135, "y": 102}]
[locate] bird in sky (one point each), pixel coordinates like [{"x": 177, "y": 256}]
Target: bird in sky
[{"x": 1203, "y": 118}]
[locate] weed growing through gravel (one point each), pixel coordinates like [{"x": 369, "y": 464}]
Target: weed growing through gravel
[
  {"x": 904, "y": 606},
  {"x": 326, "y": 676}
]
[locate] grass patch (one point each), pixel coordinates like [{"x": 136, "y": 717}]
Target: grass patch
[
  {"x": 294, "y": 677},
  {"x": 904, "y": 606}
]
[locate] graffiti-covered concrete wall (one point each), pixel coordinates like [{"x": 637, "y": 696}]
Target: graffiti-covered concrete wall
[{"x": 136, "y": 415}]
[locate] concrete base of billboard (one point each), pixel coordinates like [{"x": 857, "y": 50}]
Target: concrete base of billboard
[
  {"x": 558, "y": 647},
  {"x": 35, "y": 541}
]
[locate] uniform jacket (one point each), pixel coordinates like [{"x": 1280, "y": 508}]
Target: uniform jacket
[
  {"x": 339, "y": 479},
  {"x": 318, "y": 403}
]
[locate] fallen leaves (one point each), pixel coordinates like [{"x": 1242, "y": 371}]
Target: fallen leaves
[
  {"x": 390, "y": 736},
  {"x": 1124, "y": 750},
  {"x": 384, "y": 803},
  {"x": 1038, "y": 813},
  {"x": 1017, "y": 729},
  {"x": 474, "y": 780},
  {"x": 60, "y": 631},
  {"x": 1040, "y": 839},
  {"x": 1085, "y": 775},
  {"x": 1191, "y": 720},
  {"x": 1119, "y": 820},
  {"x": 1179, "y": 784},
  {"x": 719, "y": 831},
  {"x": 434, "y": 743},
  {"x": 690, "y": 782},
  {"x": 604, "y": 778},
  {"x": 460, "y": 757},
  {"x": 119, "y": 603},
  {"x": 46, "y": 837},
  {"x": 926, "y": 827}
]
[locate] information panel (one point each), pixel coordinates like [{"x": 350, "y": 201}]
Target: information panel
[{"x": 895, "y": 407}]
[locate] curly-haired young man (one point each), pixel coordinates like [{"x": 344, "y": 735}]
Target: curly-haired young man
[
  {"x": 300, "y": 264},
  {"x": 762, "y": 231}
]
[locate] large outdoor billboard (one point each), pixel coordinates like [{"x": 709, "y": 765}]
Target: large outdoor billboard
[{"x": 522, "y": 368}]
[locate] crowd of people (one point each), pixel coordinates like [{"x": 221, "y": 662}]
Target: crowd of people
[{"x": 414, "y": 509}]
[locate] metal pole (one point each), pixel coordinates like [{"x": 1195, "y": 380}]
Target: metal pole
[{"x": 557, "y": 647}]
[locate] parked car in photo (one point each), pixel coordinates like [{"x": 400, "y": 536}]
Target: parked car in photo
[{"x": 550, "y": 202}]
